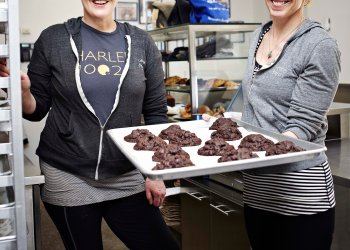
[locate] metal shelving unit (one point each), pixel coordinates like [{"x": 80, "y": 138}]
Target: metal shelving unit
[
  {"x": 202, "y": 67},
  {"x": 13, "y": 228}
]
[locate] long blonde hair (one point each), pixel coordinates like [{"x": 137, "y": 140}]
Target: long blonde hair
[{"x": 306, "y": 2}]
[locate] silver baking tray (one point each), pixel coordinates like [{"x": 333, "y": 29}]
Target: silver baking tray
[{"x": 206, "y": 165}]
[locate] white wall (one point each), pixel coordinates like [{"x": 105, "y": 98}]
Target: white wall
[
  {"x": 338, "y": 12},
  {"x": 241, "y": 10},
  {"x": 249, "y": 10},
  {"x": 36, "y": 15}
]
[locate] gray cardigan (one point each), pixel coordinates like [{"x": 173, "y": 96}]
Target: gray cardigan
[
  {"x": 73, "y": 139},
  {"x": 294, "y": 93}
]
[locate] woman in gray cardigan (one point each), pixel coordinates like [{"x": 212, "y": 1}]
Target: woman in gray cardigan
[
  {"x": 291, "y": 80},
  {"x": 88, "y": 75}
]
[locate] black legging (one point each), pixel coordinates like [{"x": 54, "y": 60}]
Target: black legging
[
  {"x": 135, "y": 222},
  {"x": 267, "y": 230}
]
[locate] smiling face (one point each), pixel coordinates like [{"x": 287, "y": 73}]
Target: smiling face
[
  {"x": 285, "y": 8},
  {"x": 98, "y": 10}
]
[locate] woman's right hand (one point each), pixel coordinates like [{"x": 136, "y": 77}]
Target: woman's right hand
[
  {"x": 25, "y": 84},
  {"x": 28, "y": 100},
  {"x": 207, "y": 117},
  {"x": 4, "y": 70}
]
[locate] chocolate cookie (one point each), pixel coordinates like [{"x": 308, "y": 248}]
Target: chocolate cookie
[
  {"x": 227, "y": 133},
  {"x": 171, "y": 130},
  {"x": 136, "y": 134},
  {"x": 184, "y": 138},
  {"x": 173, "y": 161},
  {"x": 216, "y": 146},
  {"x": 150, "y": 142},
  {"x": 255, "y": 142},
  {"x": 223, "y": 122},
  {"x": 168, "y": 150},
  {"x": 239, "y": 154},
  {"x": 283, "y": 147}
]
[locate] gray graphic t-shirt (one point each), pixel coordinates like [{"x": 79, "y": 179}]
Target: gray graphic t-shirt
[{"x": 102, "y": 62}]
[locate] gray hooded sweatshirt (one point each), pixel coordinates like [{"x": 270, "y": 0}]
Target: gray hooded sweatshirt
[{"x": 295, "y": 93}]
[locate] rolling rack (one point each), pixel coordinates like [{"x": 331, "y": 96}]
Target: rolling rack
[{"x": 13, "y": 228}]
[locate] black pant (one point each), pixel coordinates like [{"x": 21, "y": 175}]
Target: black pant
[
  {"x": 135, "y": 222},
  {"x": 272, "y": 231}
]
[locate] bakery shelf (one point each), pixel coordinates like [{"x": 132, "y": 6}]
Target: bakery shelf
[
  {"x": 7, "y": 212},
  {"x": 13, "y": 223},
  {"x": 4, "y": 50},
  {"x": 3, "y": 5},
  {"x": 202, "y": 52},
  {"x": 5, "y": 148},
  {"x": 187, "y": 89},
  {"x": 6, "y": 181},
  {"x": 8, "y": 242},
  {"x": 3, "y": 15},
  {"x": 4, "y": 115},
  {"x": 4, "y": 82},
  {"x": 180, "y": 32},
  {"x": 7, "y": 205}
]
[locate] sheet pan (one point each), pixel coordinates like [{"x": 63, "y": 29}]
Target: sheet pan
[{"x": 206, "y": 165}]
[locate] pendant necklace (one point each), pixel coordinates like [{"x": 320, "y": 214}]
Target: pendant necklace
[{"x": 269, "y": 54}]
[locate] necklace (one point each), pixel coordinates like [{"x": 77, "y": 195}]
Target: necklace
[{"x": 269, "y": 54}]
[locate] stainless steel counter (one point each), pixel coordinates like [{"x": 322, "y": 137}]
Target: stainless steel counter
[
  {"x": 339, "y": 108},
  {"x": 343, "y": 110},
  {"x": 338, "y": 152},
  {"x": 339, "y": 159}
]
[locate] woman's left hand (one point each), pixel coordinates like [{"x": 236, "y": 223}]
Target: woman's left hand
[
  {"x": 290, "y": 134},
  {"x": 155, "y": 192}
]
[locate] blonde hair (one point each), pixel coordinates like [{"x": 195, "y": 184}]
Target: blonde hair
[{"x": 306, "y": 2}]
